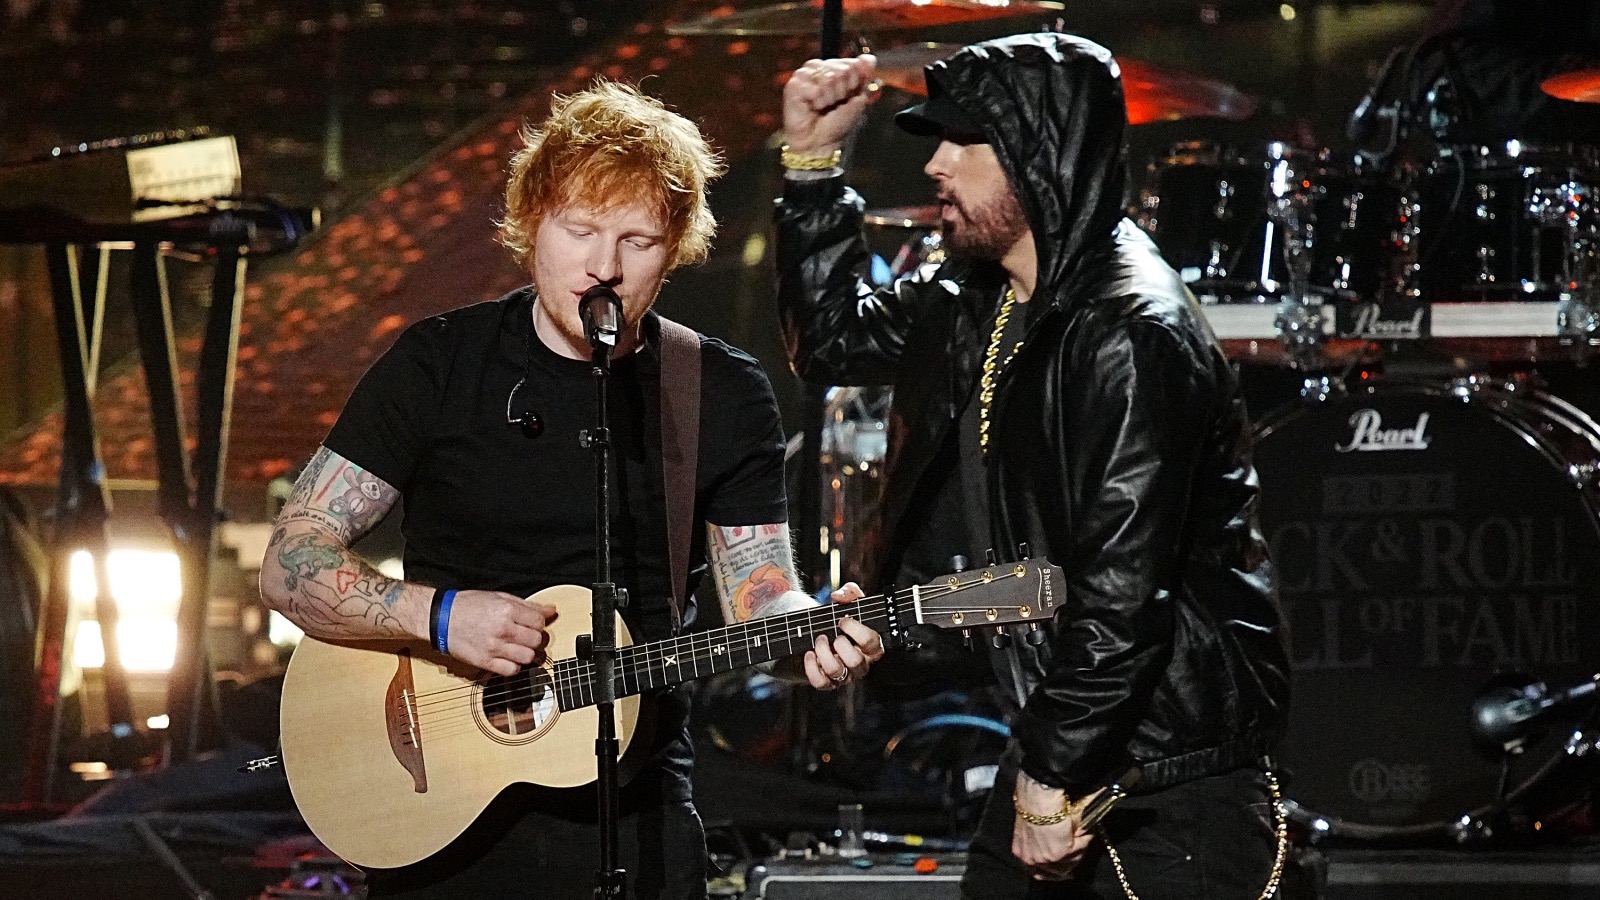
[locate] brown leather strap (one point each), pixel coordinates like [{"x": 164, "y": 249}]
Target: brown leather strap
[{"x": 680, "y": 450}]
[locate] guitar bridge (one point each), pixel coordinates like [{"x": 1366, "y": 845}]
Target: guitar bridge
[{"x": 400, "y": 720}]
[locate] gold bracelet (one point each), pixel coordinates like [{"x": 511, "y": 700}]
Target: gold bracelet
[
  {"x": 797, "y": 161},
  {"x": 1069, "y": 809}
]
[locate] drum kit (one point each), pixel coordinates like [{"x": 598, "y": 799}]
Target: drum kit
[{"x": 1436, "y": 531}]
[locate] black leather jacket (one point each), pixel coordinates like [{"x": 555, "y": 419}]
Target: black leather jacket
[{"x": 1120, "y": 446}]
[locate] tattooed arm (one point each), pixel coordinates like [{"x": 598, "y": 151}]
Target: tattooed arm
[
  {"x": 316, "y": 581},
  {"x": 754, "y": 570}
]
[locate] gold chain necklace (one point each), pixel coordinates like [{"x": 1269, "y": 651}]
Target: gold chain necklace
[{"x": 992, "y": 364}]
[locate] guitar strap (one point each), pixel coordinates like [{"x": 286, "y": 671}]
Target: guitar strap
[{"x": 680, "y": 450}]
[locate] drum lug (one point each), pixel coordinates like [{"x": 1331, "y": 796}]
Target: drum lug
[
  {"x": 1300, "y": 328},
  {"x": 1321, "y": 388},
  {"x": 1470, "y": 830},
  {"x": 1584, "y": 475},
  {"x": 1577, "y": 319},
  {"x": 1581, "y": 744}
]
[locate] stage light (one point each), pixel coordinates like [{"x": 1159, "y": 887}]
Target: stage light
[
  {"x": 146, "y": 586},
  {"x": 147, "y": 645}
]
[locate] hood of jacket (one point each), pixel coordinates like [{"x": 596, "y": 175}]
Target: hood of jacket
[{"x": 1052, "y": 107}]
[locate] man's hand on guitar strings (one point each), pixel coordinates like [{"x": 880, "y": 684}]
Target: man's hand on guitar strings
[
  {"x": 498, "y": 632},
  {"x": 830, "y": 665}
]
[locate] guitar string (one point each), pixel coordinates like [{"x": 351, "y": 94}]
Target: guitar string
[
  {"x": 570, "y": 681},
  {"x": 572, "y": 678},
  {"x": 580, "y": 690},
  {"x": 639, "y": 654},
  {"x": 571, "y": 671}
]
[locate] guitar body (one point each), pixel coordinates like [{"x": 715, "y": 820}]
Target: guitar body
[{"x": 392, "y": 750}]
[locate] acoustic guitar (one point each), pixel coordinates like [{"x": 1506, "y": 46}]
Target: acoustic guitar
[{"x": 379, "y": 734}]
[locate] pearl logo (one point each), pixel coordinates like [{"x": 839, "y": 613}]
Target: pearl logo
[{"x": 1368, "y": 433}]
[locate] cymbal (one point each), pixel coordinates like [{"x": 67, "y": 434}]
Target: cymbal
[
  {"x": 903, "y": 216},
  {"x": 1165, "y": 94},
  {"x": 860, "y": 16},
  {"x": 1582, "y": 86},
  {"x": 1154, "y": 93}
]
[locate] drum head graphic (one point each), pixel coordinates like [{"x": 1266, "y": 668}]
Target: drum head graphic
[{"x": 1427, "y": 538}]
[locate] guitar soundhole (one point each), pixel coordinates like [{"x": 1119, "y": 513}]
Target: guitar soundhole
[{"x": 517, "y": 707}]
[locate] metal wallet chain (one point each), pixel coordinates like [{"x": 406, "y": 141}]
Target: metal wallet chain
[{"x": 1277, "y": 863}]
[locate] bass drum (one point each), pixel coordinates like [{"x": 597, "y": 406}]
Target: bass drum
[{"x": 1428, "y": 538}]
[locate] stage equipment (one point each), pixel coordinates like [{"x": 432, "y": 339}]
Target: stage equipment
[
  {"x": 1508, "y": 222},
  {"x": 1479, "y": 254},
  {"x": 153, "y": 194},
  {"x": 861, "y": 16},
  {"x": 931, "y": 876},
  {"x": 1426, "y": 535},
  {"x": 1285, "y": 232},
  {"x": 1512, "y": 710}
]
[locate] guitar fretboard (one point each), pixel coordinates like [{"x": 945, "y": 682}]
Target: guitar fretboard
[{"x": 658, "y": 664}]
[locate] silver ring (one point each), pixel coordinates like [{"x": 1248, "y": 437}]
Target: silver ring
[{"x": 841, "y": 678}]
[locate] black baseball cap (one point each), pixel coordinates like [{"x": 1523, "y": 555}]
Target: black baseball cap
[{"x": 938, "y": 116}]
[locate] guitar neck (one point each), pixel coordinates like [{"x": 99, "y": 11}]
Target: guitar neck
[{"x": 659, "y": 664}]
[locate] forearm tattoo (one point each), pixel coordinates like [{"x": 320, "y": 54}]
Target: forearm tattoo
[
  {"x": 328, "y": 589},
  {"x": 753, "y": 566}
]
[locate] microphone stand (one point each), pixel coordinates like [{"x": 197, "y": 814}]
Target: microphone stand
[{"x": 610, "y": 878}]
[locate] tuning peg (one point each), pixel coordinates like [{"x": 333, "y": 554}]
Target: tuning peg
[
  {"x": 990, "y": 558},
  {"x": 999, "y": 640},
  {"x": 1035, "y": 636},
  {"x": 958, "y": 563},
  {"x": 1022, "y": 550}
]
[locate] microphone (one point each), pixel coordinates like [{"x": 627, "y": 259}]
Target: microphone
[
  {"x": 1506, "y": 713},
  {"x": 601, "y": 311}
]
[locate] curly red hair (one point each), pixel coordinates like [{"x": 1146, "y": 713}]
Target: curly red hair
[{"x": 609, "y": 145}]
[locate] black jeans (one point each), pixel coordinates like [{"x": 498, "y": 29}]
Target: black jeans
[{"x": 1211, "y": 838}]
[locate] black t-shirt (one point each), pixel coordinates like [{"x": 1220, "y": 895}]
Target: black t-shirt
[{"x": 488, "y": 507}]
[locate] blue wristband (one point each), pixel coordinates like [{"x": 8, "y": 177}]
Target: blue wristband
[{"x": 441, "y": 641}]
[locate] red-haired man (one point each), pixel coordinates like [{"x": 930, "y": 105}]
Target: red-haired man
[{"x": 473, "y": 417}]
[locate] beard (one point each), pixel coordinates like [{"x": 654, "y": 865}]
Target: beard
[{"x": 986, "y": 230}]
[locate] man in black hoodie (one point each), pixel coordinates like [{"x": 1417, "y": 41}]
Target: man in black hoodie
[{"x": 1056, "y": 386}]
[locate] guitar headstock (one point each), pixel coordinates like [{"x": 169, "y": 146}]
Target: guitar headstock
[{"x": 1025, "y": 592}]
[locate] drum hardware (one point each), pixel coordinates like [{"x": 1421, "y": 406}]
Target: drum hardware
[
  {"x": 1299, "y": 318},
  {"x": 1470, "y": 830},
  {"x": 1508, "y": 222},
  {"x": 1581, "y": 743},
  {"x": 1321, "y": 388},
  {"x": 1511, "y": 710},
  {"x": 1404, "y": 260}
]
